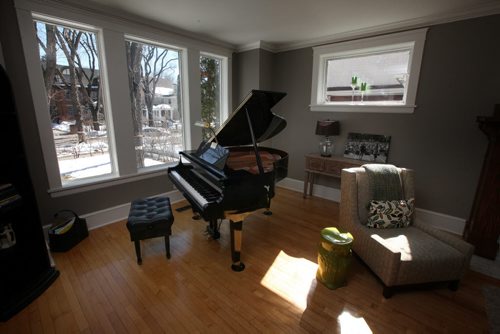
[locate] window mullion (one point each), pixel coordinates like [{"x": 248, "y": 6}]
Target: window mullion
[{"x": 121, "y": 132}]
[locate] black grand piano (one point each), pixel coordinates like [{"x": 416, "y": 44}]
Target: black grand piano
[{"x": 229, "y": 176}]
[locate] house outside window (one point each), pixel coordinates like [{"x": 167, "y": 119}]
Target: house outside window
[
  {"x": 377, "y": 74},
  {"x": 155, "y": 93},
  {"x": 70, "y": 61}
]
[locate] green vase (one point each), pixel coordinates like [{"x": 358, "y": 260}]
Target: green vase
[{"x": 334, "y": 257}]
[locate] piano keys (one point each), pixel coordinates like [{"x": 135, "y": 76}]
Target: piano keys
[{"x": 229, "y": 176}]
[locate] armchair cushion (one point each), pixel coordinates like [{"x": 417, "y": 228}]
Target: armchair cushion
[
  {"x": 424, "y": 258},
  {"x": 390, "y": 214}
]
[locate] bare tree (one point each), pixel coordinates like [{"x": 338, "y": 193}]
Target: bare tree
[
  {"x": 49, "y": 64},
  {"x": 91, "y": 76},
  {"x": 155, "y": 63},
  {"x": 134, "y": 57},
  {"x": 69, "y": 40}
]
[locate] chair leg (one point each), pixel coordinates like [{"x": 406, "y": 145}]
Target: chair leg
[
  {"x": 138, "y": 251},
  {"x": 453, "y": 285},
  {"x": 167, "y": 246},
  {"x": 387, "y": 292}
]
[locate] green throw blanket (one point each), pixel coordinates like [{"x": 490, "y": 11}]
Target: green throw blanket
[{"x": 384, "y": 182}]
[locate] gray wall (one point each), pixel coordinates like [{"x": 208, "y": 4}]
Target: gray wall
[
  {"x": 266, "y": 66},
  {"x": 459, "y": 80},
  {"x": 246, "y": 65},
  {"x": 251, "y": 70}
]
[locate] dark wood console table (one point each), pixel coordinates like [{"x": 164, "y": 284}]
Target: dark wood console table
[
  {"x": 483, "y": 227},
  {"x": 329, "y": 166}
]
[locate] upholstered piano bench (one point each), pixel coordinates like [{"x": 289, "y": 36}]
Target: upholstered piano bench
[{"x": 150, "y": 218}]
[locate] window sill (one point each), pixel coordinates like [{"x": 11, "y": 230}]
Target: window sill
[
  {"x": 394, "y": 109},
  {"x": 104, "y": 183}
]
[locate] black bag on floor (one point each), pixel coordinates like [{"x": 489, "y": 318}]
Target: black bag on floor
[{"x": 66, "y": 231}]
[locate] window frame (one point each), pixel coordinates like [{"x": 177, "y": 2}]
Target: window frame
[
  {"x": 49, "y": 148},
  {"x": 182, "y": 72},
  {"x": 414, "y": 39},
  {"x": 224, "y": 83},
  {"x": 113, "y": 32}
]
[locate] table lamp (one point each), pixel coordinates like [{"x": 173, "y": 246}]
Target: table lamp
[{"x": 327, "y": 128}]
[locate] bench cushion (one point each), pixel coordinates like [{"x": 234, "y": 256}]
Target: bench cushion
[{"x": 149, "y": 218}]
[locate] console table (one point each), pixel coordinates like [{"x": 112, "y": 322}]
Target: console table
[{"x": 329, "y": 166}]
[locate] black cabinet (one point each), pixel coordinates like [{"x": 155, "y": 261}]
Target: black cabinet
[{"x": 25, "y": 265}]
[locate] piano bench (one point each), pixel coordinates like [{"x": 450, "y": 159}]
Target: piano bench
[{"x": 150, "y": 218}]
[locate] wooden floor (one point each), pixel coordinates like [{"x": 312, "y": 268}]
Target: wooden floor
[{"x": 101, "y": 288}]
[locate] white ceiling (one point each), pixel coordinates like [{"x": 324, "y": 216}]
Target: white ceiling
[{"x": 287, "y": 24}]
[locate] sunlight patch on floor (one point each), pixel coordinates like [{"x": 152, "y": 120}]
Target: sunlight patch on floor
[
  {"x": 291, "y": 278},
  {"x": 351, "y": 324}
]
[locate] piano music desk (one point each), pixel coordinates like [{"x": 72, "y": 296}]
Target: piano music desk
[{"x": 329, "y": 166}]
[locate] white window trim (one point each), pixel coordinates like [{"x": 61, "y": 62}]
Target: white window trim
[
  {"x": 184, "y": 89},
  {"x": 224, "y": 105},
  {"x": 368, "y": 45},
  {"x": 116, "y": 28}
]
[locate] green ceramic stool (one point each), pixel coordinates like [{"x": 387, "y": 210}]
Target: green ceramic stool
[{"x": 334, "y": 257}]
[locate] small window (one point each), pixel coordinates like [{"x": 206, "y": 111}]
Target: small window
[
  {"x": 154, "y": 82},
  {"x": 213, "y": 105},
  {"x": 73, "y": 78},
  {"x": 377, "y": 74}
]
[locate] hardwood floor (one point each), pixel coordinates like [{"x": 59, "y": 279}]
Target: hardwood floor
[{"x": 101, "y": 288}]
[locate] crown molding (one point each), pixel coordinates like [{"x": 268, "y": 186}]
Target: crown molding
[
  {"x": 470, "y": 12},
  {"x": 256, "y": 45}
]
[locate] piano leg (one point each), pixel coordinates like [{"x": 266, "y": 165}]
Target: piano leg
[{"x": 236, "y": 228}]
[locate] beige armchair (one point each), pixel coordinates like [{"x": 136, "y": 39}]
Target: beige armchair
[{"x": 400, "y": 256}]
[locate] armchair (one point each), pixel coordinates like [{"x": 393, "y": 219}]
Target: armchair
[{"x": 400, "y": 256}]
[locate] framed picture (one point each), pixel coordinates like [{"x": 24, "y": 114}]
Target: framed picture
[{"x": 366, "y": 147}]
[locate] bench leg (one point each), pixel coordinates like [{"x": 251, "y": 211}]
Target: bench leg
[
  {"x": 167, "y": 246},
  {"x": 138, "y": 251}
]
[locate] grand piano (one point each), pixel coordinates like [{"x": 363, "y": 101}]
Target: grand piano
[{"x": 229, "y": 176}]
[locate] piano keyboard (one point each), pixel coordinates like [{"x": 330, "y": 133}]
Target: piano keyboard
[{"x": 199, "y": 190}]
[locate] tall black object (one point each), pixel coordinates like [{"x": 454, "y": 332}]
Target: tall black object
[
  {"x": 483, "y": 227},
  {"x": 26, "y": 270}
]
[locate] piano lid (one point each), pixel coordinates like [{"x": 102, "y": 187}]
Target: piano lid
[{"x": 266, "y": 124}]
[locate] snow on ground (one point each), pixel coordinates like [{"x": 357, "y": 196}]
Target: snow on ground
[
  {"x": 91, "y": 158},
  {"x": 96, "y": 165}
]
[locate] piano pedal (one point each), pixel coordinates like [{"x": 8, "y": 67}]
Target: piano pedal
[{"x": 212, "y": 233}]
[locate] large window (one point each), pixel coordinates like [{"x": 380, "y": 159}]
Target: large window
[
  {"x": 375, "y": 74},
  {"x": 212, "y": 114},
  {"x": 155, "y": 94},
  {"x": 69, "y": 57},
  {"x": 112, "y": 101}
]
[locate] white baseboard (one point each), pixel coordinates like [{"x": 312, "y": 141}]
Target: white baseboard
[
  {"x": 117, "y": 213},
  {"x": 438, "y": 220},
  {"x": 332, "y": 194}
]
